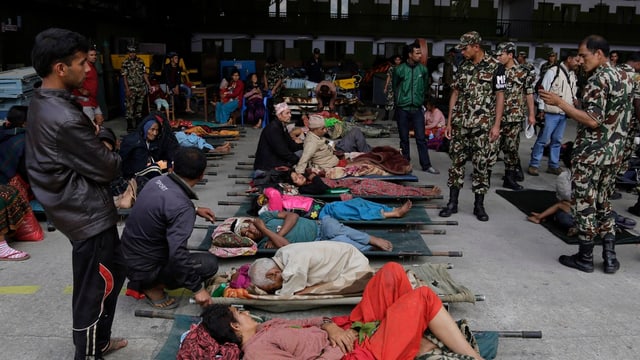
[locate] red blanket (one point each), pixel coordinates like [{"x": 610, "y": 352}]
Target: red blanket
[{"x": 387, "y": 158}]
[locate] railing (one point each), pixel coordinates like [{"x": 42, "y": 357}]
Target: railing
[{"x": 380, "y": 26}]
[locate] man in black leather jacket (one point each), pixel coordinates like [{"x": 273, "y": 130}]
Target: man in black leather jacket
[{"x": 70, "y": 171}]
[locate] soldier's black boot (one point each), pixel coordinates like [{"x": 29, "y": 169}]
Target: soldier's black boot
[
  {"x": 452, "y": 205},
  {"x": 478, "y": 208},
  {"x": 510, "y": 181},
  {"x": 518, "y": 174},
  {"x": 635, "y": 209},
  {"x": 611, "y": 263},
  {"x": 130, "y": 126},
  {"x": 582, "y": 260}
]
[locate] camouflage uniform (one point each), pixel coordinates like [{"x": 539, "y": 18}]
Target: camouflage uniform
[
  {"x": 274, "y": 73},
  {"x": 598, "y": 152},
  {"x": 472, "y": 117},
  {"x": 134, "y": 70},
  {"x": 634, "y": 127},
  {"x": 519, "y": 85}
]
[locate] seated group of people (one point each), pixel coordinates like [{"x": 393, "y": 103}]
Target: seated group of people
[
  {"x": 17, "y": 219},
  {"x": 147, "y": 153}
]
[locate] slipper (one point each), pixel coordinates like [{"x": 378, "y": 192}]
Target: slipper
[
  {"x": 15, "y": 255},
  {"x": 625, "y": 222},
  {"x": 190, "y": 111},
  {"x": 115, "y": 344},
  {"x": 166, "y": 303}
]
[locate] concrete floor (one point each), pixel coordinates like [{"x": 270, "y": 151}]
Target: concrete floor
[{"x": 509, "y": 260}]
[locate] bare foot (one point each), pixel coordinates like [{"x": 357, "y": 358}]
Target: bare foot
[
  {"x": 534, "y": 218},
  {"x": 399, "y": 211},
  {"x": 380, "y": 243},
  {"x": 114, "y": 345}
]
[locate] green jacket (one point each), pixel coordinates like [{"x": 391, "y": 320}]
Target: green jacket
[{"x": 410, "y": 85}]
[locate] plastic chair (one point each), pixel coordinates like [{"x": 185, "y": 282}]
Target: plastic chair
[
  {"x": 265, "y": 101},
  {"x": 242, "y": 111}
]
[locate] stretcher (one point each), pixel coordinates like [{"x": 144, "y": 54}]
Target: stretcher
[
  {"x": 334, "y": 197},
  {"x": 416, "y": 216},
  {"x": 488, "y": 341},
  {"x": 406, "y": 243},
  {"x": 391, "y": 178}
]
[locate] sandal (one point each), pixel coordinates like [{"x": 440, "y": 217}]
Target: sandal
[
  {"x": 166, "y": 303},
  {"x": 114, "y": 345},
  {"x": 15, "y": 255},
  {"x": 625, "y": 222}
]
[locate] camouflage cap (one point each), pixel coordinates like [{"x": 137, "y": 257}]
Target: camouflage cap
[
  {"x": 470, "y": 38},
  {"x": 132, "y": 48},
  {"x": 552, "y": 53},
  {"x": 505, "y": 47}
]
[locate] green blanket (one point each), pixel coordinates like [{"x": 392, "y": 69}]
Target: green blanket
[{"x": 538, "y": 200}]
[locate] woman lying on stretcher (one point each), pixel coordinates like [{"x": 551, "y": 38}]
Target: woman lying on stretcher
[
  {"x": 349, "y": 208},
  {"x": 380, "y": 327}
]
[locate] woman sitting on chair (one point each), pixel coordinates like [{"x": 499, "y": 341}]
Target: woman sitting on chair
[
  {"x": 253, "y": 101},
  {"x": 231, "y": 96}
]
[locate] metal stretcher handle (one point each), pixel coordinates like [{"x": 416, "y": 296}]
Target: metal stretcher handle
[{"x": 521, "y": 334}]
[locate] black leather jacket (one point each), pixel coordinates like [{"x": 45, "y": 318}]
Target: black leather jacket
[{"x": 69, "y": 168}]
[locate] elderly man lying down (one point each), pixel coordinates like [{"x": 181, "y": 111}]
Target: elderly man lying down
[
  {"x": 321, "y": 267},
  {"x": 275, "y": 229}
]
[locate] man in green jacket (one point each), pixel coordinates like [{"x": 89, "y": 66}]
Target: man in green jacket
[{"x": 410, "y": 81}]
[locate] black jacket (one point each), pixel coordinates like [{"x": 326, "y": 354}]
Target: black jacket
[
  {"x": 275, "y": 148},
  {"x": 156, "y": 233},
  {"x": 69, "y": 168},
  {"x": 135, "y": 153}
]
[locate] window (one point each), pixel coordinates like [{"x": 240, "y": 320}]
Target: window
[
  {"x": 339, "y": 9},
  {"x": 278, "y": 8},
  {"x": 570, "y": 13},
  {"x": 625, "y": 14},
  {"x": 274, "y": 48},
  {"x": 335, "y": 50},
  {"x": 399, "y": 9}
]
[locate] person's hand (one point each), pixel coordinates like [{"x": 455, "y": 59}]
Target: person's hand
[
  {"x": 447, "y": 132},
  {"x": 206, "y": 213},
  {"x": 550, "y": 98},
  {"x": 344, "y": 339},
  {"x": 269, "y": 245},
  {"x": 494, "y": 134},
  {"x": 203, "y": 298},
  {"x": 259, "y": 224},
  {"x": 162, "y": 164},
  {"x": 99, "y": 119},
  {"x": 532, "y": 120}
]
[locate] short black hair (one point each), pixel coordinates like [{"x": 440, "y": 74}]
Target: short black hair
[
  {"x": 217, "y": 319},
  {"x": 16, "y": 116},
  {"x": 565, "y": 54},
  {"x": 595, "y": 43},
  {"x": 56, "y": 45},
  {"x": 189, "y": 163}
]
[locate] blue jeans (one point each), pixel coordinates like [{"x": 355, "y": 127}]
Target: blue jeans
[
  {"x": 332, "y": 229},
  {"x": 407, "y": 119},
  {"x": 554, "y": 125}
]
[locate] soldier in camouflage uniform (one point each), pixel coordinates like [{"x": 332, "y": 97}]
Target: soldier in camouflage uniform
[
  {"x": 533, "y": 76},
  {"x": 136, "y": 82},
  {"x": 597, "y": 152},
  {"x": 473, "y": 124},
  {"x": 518, "y": 105},
  {"x": 552, "y": 60},
  {"x": 632, "y": 67}
]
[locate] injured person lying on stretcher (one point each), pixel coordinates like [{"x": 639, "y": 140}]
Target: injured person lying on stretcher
[{"x": 379, "y": 327}]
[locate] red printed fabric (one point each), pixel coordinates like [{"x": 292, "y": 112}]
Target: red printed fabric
[
  {"x": 362, "y": 187},
  {"x": 199, "y": 345}
]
